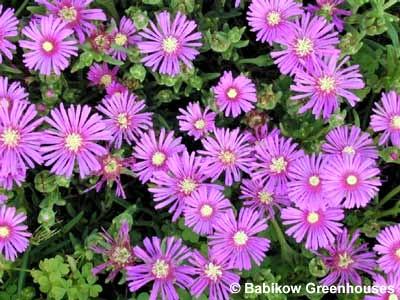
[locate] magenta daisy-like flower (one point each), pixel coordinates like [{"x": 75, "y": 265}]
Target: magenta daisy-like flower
[
  {"x": 325, "y": 84},
  {"x": 261, "y": 132},
  {"x": 8, "y": 29},
  {"x": 124, "y": 36},
  {"x": 13, "y": 233},
  {"x": 7, "y": 179},
  {"x": 125, "y": 117},
  {"x": 386, "y": 118},
  {"x": 309, "y": 39},
  {"x": 235, "y": 95},
  {"x": 392, "y": 280},
  {"x": 116, "y": 88},
  {"x": 152, "y": 153},
  {"x": 350, "y": 140},
  {"x": 76, "y": 14},
  {"x": 49, "y": 46},
  {"x": 169, "y": 43},
  {"x": 317, "y": 227},
  {"x": 229, "y": 153},
  {"x": 345, "y": 260},
  {"x": 204, "y": 208},
  {"x": 261, "y": 197},
  {"x": 10, "y": 93},
  {"x": 274, "y": 157},
  {"x": 214, "y": 274},
  {"x": 195, "y": 121},
  {"x": 271, "y": 19},
  {"x": 73, "y": 137},
  {"x": 351, "y": 181},
  {"x": 102, "y": 75},
  {"x": 388, "y": 248},
  {"x": 3, "y": 199},
  {"x": 118, "y": 252},
  {"x": 163, "y": 263},
  {"x": 237, "y": 241},
  {"x": 331, "y": 10}
]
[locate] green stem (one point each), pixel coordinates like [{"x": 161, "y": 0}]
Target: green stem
[
  {"x": 23, "y": 270},
  {"x": 21, "y": 7},
  {"x": 288, "y": 254},
  {"x": 389, "y": 196}
]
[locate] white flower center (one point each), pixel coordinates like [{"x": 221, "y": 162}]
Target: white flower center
[
  {"x": 278, "y": 165},
  {"x": 106, "y": 80},
  {"x": 349, "y": 150},
  {"x": 273, "y": 18},
  {"x": 232, "y": 93},
  {"x": 199, "y": 124},
  {"x": 121, "y": 255},
  {"x": 123, "y": 120},
  {"x": 314, "y": 180},
  {"x": 10, "y": 137},
  {"x": 344, "y": 260},
  {"x": 351, "y": 180},
  {"x": 327, "y": 84},
  {"x": 393, "y": 297},
  {"x": 160, "y": 269},
  {"x": 206, "y": 210},
  {"x": 170, "y": 44},
  {"x": 395, "y": 122},
  {"x": 4, "y": 231},
  {"x": 73, "y": 142},
  {"x": 213, "y": 271},
  {"x": 47, "y": 46},
  {"x": 158, "y": 159},
  {"x": 111, "y": 165},
  {"x": 227, "y": 157},
  {"x": 312, "y": 217},
  {"x": 68, "y": 14},
  {"x": 265, "y": 197},
  {"x": 187, "y": 186},
  {"x": 304, "y": 46},
  {"x": 120, "y": 39},
  {"x": 240, "y": 238}
]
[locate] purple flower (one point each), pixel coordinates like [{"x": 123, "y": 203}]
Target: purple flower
[
  {"x": 102, "y": 75},
  {"x": 389, "y": 248},
  {"x": 309, "y": 39},
  {"x": 13, "y": 233},
  {"x": 10, "y": 93},
  {"x": 8, "y": 179},
  {"x": 124, "y": 36},
  {"x": 3, "y": 199},
  {"x": 326, "y": 84},
  {"x": 237, "y": 241},
  {"x": 214, "y": 273},
  {"x": 261, "y": 197},
  {"x": 169, "y": 43},
  {"x": 118, "y": 252},
  {"x": 49, "y": 46},
  {"x": 330, "y": 8},
  {"x": 153, "y": 153},
  {"x": 76, "y": 14},
  {"x": 237, "y": 3},
  {"x": 260, "y": 133},
  {"x": 350, "y": 140},
  {"x": 319, "y": 227},
  {"x": 204, "y": 207},
  {"x": 350, "y": 181},
  {"x": 228, "y": 152},
  {"x": 73, "y": 137},
  {"x": 304, "y": 187},
  {"x": 124, "y": 117},
  {"x": 116, "y": 88},
  {"x": 386, "y": 118},
  {"x": 392, "y": 280},
  {"x": 271, "y": 19},
  {"x": 344, "y": 260},
  {"x": 8, "y": 25},
  {"x": 235, "y": 95},
  {"x": 274, "y": 157},
  {"x": 195, "y": 121},
  {"x": 163, "y": 264}
]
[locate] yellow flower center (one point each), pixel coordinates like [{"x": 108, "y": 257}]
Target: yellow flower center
[
  {"x": 101, "y": 40},
  {"x": 4, "y": 231},
  {"x": 265, "y": 197},
  {"x": 314, "y": 180},
  {"x": 158, "y": 159},
  {"x": 273, "y": 18},
  {"x": 351, "y": 180},
  {"x": 304, "y": 47},
  {"x": 240, "y": 238},
  {"x": 188, "y": 186},
  {"x": 278, "y": 165},
  {"x": 227, "y": 157},
  {"x": 123, "y": 120},
  {"x": 199, "y": 124},
  {"x": 398, "y": 252},
  {"x": 395, "y": 122},
  {"x": 10, "y": 137},
  {"x": 68, "y": 13},
  {"x": 120, "y": 39},
  {"x": 349, "y": 150},
  {"x": 232, "y": 93},
  {"x": 106, "y": 80},
  {"x": 47, "y": 46},
  {"x": 111, "y": 165},
  {"x": 73, "y": 142},
  {"x": 327, "y": 8},
  {"x": 206, "y": 210},
  {"x": 344, "y": 261},
  {"x": 213, "y": 271},
  {"x": 121, "y": 255},
  {"x": 327, "y": 84},
  {"x": 160, "y": 269},
  {"x": 170, "y": 45},
  {"x": 312, "y": 217},
  {"x": 393, "y": 297}
]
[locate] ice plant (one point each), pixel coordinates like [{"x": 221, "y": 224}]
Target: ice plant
[
  {"x": 76, "y": 13},
  {"x": 330, "y": 8},
  {"x": 260, "y": 133},
  {"x": 309, "y": 39},
  {"x": 8, "y": 30},
  {"x": 102, "y": 75},
  {"x": 118, "y": 252},
  {"x": 317, "y": 227},
  {"x": 152, "y": 153},
  {"x": 169, "y": 43},
  {"x": 237, "y": 240},
  {"x": 388, "y": 248},
  {"x": 345, "y": 260},
  {"x": 325, "y": 84},
  {"x": 124, "y": 117},
  {"x": 196, "y": 121},
  {"x": 204, "y": 207},
  {"x": 163, "y": 263},
  {"x": 234, "y": 95},
  {"x": 7, "y": 179},
  {"x": 349, "y": 140},
  {"x": 49, "y": 45},
  {"x": 274, "y": 157},
  {"x": 116, "y": 88},
  {"x": 213, "y": 274},
  {"x": 13, "y": 233},
  {"x": 391, "y": 280},
  {"x": 124, "y": 37},
  {"x": 73, "y": 137},
  {"x": 271, "y": 19},
  {"x": 227, "y": 152},
  {"x": 351, "y": 181},
  {"x": 386, "y": 118},
  {"x": 11, "y": 92}
]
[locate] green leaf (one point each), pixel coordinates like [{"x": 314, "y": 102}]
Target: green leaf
[
  {"x": 44, "y": 182},
  {"x": 109, "y": 6},
  {"x": 260, "y": 61}
]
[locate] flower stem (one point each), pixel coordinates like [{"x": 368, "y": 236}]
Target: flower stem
[
  {"x": 389, "y": 196},
  {"x": 288, "y": 254}
]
